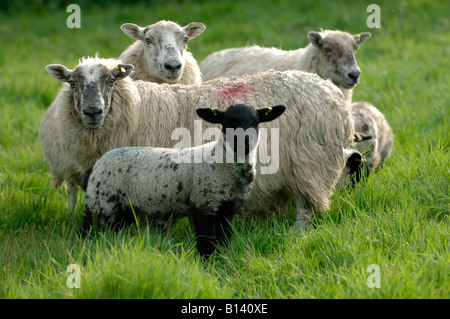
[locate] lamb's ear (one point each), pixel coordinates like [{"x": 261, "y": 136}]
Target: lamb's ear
[
  {"x": 270, "y": 113},
  {"x": 121, "y": 71},
  {"x": 362, "y": 37},
  {"x": 210, "y": 115},
  {"x": 59, "y": 72},
  {"x": 315, "y": 38},
  {"x": 133, "y": 31},
  {"x": 194, "y": 29},
  {"x": 359, "y": 137}
]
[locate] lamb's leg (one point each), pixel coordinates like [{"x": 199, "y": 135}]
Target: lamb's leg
[
  {"x": 305, "y": 215},
  {"x": 72, "y": 190},
  {"x": 205, "y": 230},
  {"x": 223, "y": 226}
]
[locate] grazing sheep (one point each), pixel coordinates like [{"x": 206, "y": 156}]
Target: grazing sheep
[
  {"x": 370, "y": 121},
  {"x": 331, "y": 55},
  {"x": 161, "y": 188},
  {"x": 159, "y": 54},
  {"x": 96, "y": 110}
]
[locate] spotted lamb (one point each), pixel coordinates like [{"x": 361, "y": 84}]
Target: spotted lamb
[{"x": 155, "y": 184}]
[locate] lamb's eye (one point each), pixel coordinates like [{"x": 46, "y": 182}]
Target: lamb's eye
[
  {"x": 185, "y": 40},
  {"x": 327, "y": 50},
  {"x": 111, "y": 82},
  {"x": 72, "y": 84},
  {"x": 148, "y": 41}
]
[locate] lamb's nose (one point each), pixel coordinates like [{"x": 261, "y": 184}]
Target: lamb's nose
[{"x": 172, "y": 67}]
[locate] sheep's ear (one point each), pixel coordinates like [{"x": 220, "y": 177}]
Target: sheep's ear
[
  {"x": 362, "y": 37},
  {"x": 194, "y": 29},
  {"x": 315, "y": 38},
  {"x": 359, "y": 137},
  {"x": 121, "y": 71},
  {"x": 210, "y": 115},
  {"x": 59, "y": 72},
  {"x": 270, "y": 113},
  {"x": 133, "y": 31}
]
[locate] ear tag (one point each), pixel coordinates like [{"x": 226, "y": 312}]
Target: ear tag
[
  {"x": 269, "y": 110},
  {"x": 357, "y": 36},
  {"x": 213, "y": 111},
  {"x": 116, "y": 67}
]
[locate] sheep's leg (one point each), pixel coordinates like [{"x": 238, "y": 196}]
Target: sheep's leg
[
  {"x": 72, "y": 189},
  {"x": 205, "y": 230},
  {"x": 305, "y": 214},
  {"x": 223, "y": 227}
]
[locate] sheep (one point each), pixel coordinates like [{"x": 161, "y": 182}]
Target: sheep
[
  {"x": 96, "y": 110},
  {"x": 370, "y": 121},
  {"x": 330, "y": 54},
  {"x": 312, "y": 135},
  {"x": 153, "y": 183},
  {"x": 159, "y": 53},
  {"x": 306, "y": 158}
]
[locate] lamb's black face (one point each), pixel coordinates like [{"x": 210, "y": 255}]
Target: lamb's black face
[
  {"x": 240, "y": 123},
  {"x": 239, "y": 126}
]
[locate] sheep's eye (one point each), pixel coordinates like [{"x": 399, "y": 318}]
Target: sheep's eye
[
  {"x": 185, "y": 40},
  {"x": 72, "y": 84},
  {"x": 111, "y": 82},
  {"x": 147, "y": 40},
  {"x": 327, "y": 50}
]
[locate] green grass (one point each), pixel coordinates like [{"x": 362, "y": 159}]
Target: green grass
[{"x": 397, "y": 219}]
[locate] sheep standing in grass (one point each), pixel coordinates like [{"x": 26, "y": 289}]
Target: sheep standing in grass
[
  {"x": 154, "y": 184},
  {"x": 331, "y": 55},
  {"x": 312, "y": 135},
  {"x": 304, "y": 160},
  {"x": 370, "y": 121},
  {"x": 96, "y": 110},
  {"x": 159, "y": 53}
]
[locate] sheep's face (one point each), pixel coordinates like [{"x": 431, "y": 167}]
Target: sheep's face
[
  {"x": 164, "y": 44},
  {"x": 240, "y": 123},
  {"x": 91, "y": 86},
  {"x": 337, "y": 56},
  {"x": 355, "y": 168}
]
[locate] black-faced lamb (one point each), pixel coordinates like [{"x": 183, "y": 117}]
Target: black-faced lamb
[
  {"x": 159, "y": 53},
  {"x": 154, "y": 183},
  {"x": 330, "y": 54}
]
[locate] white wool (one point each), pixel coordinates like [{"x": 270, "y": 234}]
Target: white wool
[
  {"x": 249, "y": 60},
  {"x": 313, "y": 132}
]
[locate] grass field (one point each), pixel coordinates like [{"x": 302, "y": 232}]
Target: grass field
[{"x": 396, "y": 220}]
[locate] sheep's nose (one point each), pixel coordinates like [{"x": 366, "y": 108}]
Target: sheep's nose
[
  {"x": 354, "y": 75},
  {"x": 172, "y": 67},
  {"x": 92, "y": 111}
]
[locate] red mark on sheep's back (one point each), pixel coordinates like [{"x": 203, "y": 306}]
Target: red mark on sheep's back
[{"x": 235, "y": 93}]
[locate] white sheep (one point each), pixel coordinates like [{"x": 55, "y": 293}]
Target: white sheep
[
  {"x": 96, "y": 110},
  {"x": 308, "y": 155},
  {"x": 151, "y": 183},
  {"x": 331, "y": 55},
  {"x": 159, "y": 53},
  {"x": 370, "y": 121},
  {"x": 314, "y": 131}
]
